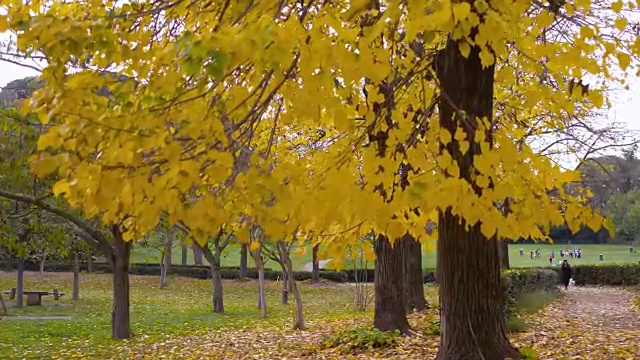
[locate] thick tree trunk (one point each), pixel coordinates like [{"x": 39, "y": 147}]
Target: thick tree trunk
[
  {"x": 315, "y": 273},
  {"x": 41, "y": 266},
  {"x": 298, "y": 314},
  {"x": 90, "y": 263},
  {"x": 197, "y": 255},
  {"x": 243, "y": 262},
  {"x": 471, "y": 299},
  {"x": 285, "y": 286},
  {"x": 503, "y": 254},
  {"x": 185, "y": 251},
  {"x": 76, "y": 277},
  {"x": 390, "y": 313},
  {"x": 120, "y": 320},
  {"x": 20, "y": 284},
  {"x": 413, "y": 283}
]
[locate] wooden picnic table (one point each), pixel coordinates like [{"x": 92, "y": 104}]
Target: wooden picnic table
[{"x": 34, "y": 298}]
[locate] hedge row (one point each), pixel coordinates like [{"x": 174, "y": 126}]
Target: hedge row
[
  {"x": 519, "y": 280},
  {"x": 612, "y": 275},
  {"x": 202, "y": 272},
  {"x": 523, "y": 281}
]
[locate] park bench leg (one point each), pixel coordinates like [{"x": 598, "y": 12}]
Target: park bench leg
[{"x": 34, "y": 300}]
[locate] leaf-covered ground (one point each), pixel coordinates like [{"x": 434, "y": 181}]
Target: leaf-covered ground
[{"x": 586, "y": 323}]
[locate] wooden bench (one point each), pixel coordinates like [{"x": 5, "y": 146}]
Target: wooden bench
[{"x": 34, "y": 298}]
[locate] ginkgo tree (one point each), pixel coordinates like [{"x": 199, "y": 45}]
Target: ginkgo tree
[{"x": 399, "y": 81}]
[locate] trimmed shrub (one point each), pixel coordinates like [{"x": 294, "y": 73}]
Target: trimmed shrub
[
  {"x": 516, "y": 281},
  {"x": 612, "y": 275},
  {"x": 521, "y": 281}
]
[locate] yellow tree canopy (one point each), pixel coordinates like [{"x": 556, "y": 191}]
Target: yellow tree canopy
[{"x": 209, "y": 104}]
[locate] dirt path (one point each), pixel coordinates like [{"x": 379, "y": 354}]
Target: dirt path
[{"x": 587, "y": 323}]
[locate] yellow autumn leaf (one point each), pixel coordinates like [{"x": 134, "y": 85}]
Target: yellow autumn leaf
[
  {"x": 254, "y": 245},
  {"x": 461, "y": 10}
]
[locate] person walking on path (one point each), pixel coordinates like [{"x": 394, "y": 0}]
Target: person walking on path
[{"x": 565, "y": 274}]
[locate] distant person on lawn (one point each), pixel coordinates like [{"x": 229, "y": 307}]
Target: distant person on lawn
[{"x": 565, "y": 274}]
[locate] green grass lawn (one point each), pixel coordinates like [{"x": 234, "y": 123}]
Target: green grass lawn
[
  {"x": 156, "y": 315},
  {"x": 613, "y": 254}
]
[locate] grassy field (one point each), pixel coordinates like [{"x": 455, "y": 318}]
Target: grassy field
[
  {"x": 177, "y": 323},
  {"x": 182, "y": 310},
  {"x": 613, "y": 254}
]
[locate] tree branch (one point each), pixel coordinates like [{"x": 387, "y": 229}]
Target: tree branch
[{"x": 101, "y": 241}]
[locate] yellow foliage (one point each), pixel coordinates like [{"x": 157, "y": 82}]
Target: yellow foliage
[{"x": 260, "y": 113}]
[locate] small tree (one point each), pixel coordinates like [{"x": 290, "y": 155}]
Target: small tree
[
  {"x": 363, "y": 293},
  {"x": 162, "y": 240}
]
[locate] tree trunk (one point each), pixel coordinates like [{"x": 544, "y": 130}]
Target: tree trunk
[
  {"x": 120, "y": 320},
  {"x": 76, "y": 277},
  {"x": 218, "y": 297},
  {"x": 262, "y": 291},
  {"x": 41, "y": 265},
  {"x": 197, "y": 255},
  {"x": 503, "y": 254},
  {"x": 285, "y": 286},
  {"x": 163, "y": 272},
  {"x": 298, "y": 314},
  {"x": 169, "y": 253},
  {"x": 413, "y": 283},
  {"x": 20, "y": 284},
  {"x": 315, "y": 273},
  {"x": 243, "y": 262},
  {"x": 471, "y": 299},
  {"x": 90, "y": 263},
  {"x": 4, "y": 306},
  {"x": 390, "y": 313},
  {"x": 213, "y": 258},
  {"x": 185, "y": 251}
]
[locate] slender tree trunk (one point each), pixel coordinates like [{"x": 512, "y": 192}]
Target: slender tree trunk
[
  {"x": 4, "y": 306},
  {"x": 262, "y": 291},
  {"x": 390, "y": 313},
  {"x": 197, "y": 255},
  {"x": 41, "y": 265},
  {"x": 76, "y": 276},
  {"x": 315, "y": 273},
  {"x": 243, "y": 262},
  {"x": 413, "y": 283},
  {"x": 20, "y": 284},
  {"x": 298, "y": 314},
  {"x": 285, "y": 286},
  {"x": 169, "y": 253},
  {"x": 90, "y": 263},
  {"x": 163, "y": 271},
  {"x": 120, "y": 320},
  {"x": 503, "y": 254},
  {"x": 471, "y": 299},
  {"x": 185, "y": 251}
]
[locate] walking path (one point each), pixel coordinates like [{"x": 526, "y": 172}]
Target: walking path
[{"x": 587, "y": 323}]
